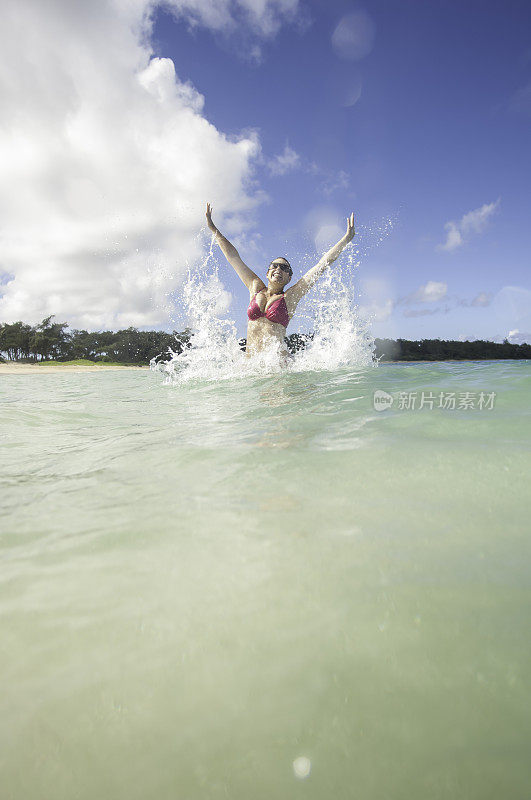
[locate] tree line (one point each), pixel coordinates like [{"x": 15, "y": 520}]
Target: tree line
[
  {"x": 51, "y": 340},
  {"x": 55, "y": 341},
  {"x": 431, "y": 349},
  {"x": 443, "y": 350}
]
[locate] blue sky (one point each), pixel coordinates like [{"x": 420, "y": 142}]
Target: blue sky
[
  {"x": 442, "y": 128},
  {"x": 121, "y": 118}
]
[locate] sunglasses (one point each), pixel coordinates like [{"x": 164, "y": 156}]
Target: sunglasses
[{"x": 283, "y": 267}]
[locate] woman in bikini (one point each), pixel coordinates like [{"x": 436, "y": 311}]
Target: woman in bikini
[{"x": 271, "y": 308}]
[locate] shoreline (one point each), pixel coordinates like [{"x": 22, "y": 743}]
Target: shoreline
[
  {"x": 447, "y": 360},
  {"x": 30, "y": 369},
  {"x": 14, "y": 368}
]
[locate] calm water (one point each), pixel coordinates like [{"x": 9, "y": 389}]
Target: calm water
[{"x": 202, "y": 584}]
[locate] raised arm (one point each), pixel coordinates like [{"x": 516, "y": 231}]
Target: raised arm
[
  {"x": 250, "y": 278},
  {"x": 305, "y": 283}
]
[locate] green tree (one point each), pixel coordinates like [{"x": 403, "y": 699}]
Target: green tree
[
  {"x": 49, "y": 339},
  {"x": 15, "y": 340}
]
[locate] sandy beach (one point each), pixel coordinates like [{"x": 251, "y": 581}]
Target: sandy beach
[{"x": 29, "y": 369}]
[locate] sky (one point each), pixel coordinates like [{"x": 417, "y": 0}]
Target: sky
[{"x": 119, "y": 119}]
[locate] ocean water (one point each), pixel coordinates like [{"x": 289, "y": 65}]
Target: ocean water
[{"x": 263, "y": 587}]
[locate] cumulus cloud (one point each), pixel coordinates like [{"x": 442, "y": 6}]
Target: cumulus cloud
[
  {"x": 353, "y": 36},
  {"x": 473, "y": 222},
  {"x": 519, "y": 337},
  {"x": 430, "y": 292},
  {"x": 286, "y": 161},
  {"x": 106, "y": 158},
  {"x": 246, "y": 22}
]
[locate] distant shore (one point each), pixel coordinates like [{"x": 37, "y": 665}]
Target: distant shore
[{"x": 11, "y": 368}]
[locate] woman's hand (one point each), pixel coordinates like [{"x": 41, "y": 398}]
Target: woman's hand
[
  {"x": 350, "y": 229},
  {"x": 209, "y": 218}
]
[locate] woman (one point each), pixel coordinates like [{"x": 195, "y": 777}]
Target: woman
[{"x": 271, "y": 308}]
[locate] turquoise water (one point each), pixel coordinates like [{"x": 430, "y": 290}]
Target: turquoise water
[{"x": 202, "y": 584}]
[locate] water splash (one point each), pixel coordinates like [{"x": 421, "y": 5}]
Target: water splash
[
  {"x": 213, "y": 351},
  {"x": 341, "y": 336}
]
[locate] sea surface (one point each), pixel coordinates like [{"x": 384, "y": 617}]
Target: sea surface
[{"x": 263, "y": 587}]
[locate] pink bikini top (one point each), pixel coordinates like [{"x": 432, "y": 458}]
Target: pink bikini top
[{"x": 277, "y": 311}]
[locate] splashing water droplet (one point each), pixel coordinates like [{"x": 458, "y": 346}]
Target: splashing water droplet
[{"x": 340, "y": 335}]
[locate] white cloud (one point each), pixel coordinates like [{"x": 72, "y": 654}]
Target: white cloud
[
  {"x": 430, "y": 292},
  {"x": 454, "y": 238},
  {"x": 353, "y": 36},
  {"x": 261, "y": 17},
  {"x": 286, "y": 161},
  {"x": 482, "y": 299},
  {"x": 476, "y": 221},
  {"x": 519, "y": 337},
  {"x": 106, "y": 158},
  {"x": 473, "y": 222}
]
